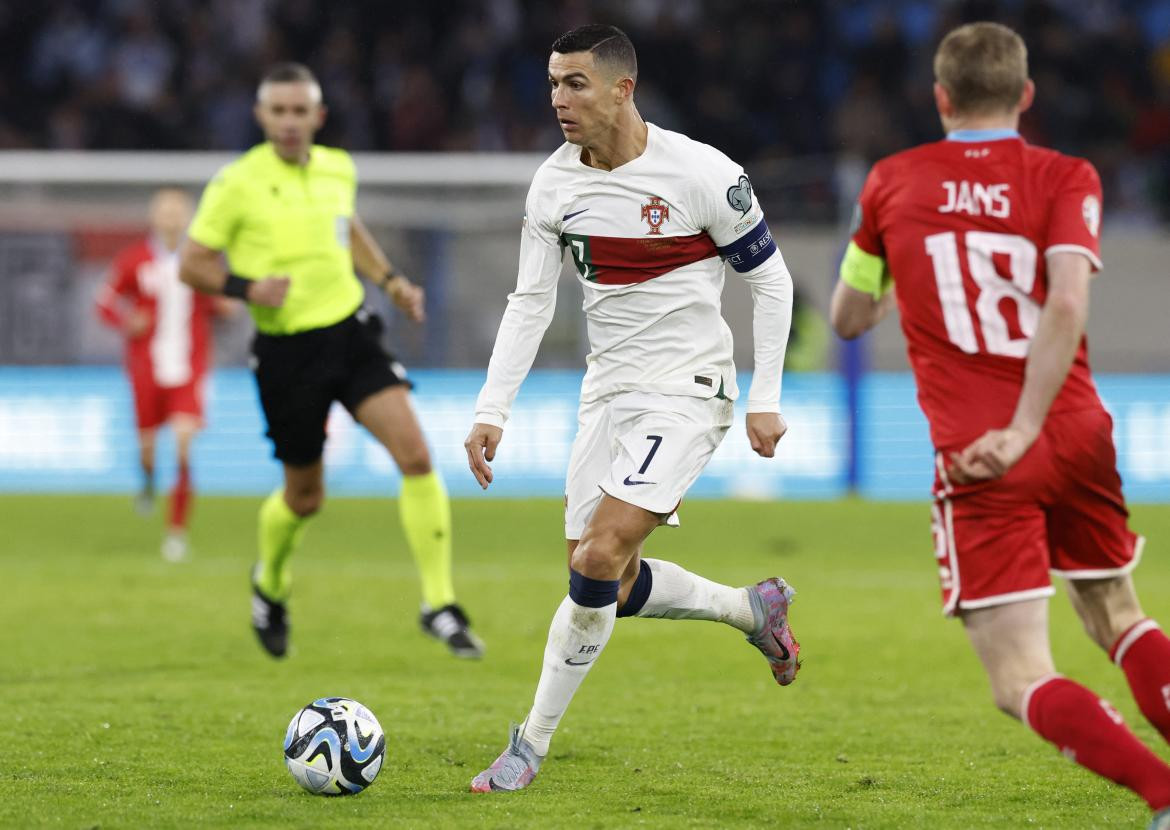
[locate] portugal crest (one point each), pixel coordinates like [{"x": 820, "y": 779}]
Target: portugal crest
[{"x": 655, "y": 214}]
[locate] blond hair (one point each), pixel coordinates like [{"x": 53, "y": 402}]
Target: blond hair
[{"x": 983, "y": 67}]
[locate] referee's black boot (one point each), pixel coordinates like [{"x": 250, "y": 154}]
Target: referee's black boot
[
  {"x": 270, "y": 621},
  {"x": 451, "y": 625}
]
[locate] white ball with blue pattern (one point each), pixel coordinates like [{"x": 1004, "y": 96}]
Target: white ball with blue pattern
[{"x": 334, "y": 746}]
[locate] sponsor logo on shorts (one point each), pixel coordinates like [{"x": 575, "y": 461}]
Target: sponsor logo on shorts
[{"x": 630, "y": 482}]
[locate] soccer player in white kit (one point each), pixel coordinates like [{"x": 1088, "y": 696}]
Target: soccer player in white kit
[{"x": 649, "y": 217}]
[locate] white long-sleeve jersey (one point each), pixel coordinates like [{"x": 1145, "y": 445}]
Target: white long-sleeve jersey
[{"x": 649, "y": 240}]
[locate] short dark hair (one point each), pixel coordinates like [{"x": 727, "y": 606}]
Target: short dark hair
[
  {"x": 609, "y": 45},
  {"x": 289, "y": 73}
]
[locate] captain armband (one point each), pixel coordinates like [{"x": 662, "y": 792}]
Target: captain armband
[
  {"x": 750, "y": 250},
  {"x": 865, "y": 272}
]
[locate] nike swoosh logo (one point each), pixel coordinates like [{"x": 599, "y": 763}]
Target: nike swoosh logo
[
  {"x": 569, "y": 216},
  {"x": 784, "y": 654},
  {"x": 570, "y": 662},
  {"x": 630, "y": 482}
]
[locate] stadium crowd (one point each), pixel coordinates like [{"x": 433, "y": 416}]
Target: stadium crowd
[{"x": 762, "y": 79}]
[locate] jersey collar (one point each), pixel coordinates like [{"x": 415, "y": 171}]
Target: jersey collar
[
  {"x": 281, "y": 164},
  {"x": 982, "y": 135}
]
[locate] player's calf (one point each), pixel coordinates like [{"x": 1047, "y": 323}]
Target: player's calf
[
  {"x": 1089, "y": 731},
  {"x": 1143, "y": 653}
]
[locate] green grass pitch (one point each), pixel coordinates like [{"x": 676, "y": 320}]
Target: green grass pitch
[{"x": 137, "y": 697}]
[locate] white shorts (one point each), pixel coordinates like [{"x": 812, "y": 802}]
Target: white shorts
[{"x": 643, "y": 448}]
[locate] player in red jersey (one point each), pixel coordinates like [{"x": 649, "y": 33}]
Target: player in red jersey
[
  {"x": 991, "y": 244},
  {"x": 167, "y": 328}
]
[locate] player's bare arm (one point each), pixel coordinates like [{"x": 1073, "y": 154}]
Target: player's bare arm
[
  {"x": 371, "y": 261},
  {"x": 481, "y": 446},
  {"x": 852, "y": 313},
  {"x": 203, "y": 269},
  {"x": 1058, "y": 333}
]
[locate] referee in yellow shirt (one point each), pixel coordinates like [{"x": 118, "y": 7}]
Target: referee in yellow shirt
[{"x": 283, "y": 214}]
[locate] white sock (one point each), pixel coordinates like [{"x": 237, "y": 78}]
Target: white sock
[
  {"x": 678, "y": 594},
  {"x": 575, "y": 639}
]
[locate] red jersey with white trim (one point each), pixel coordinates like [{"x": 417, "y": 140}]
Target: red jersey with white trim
[
  {"x": 175, "y": 348},
  {"x": 965, "y": 227},
  {"x": 649, "y": 240}
]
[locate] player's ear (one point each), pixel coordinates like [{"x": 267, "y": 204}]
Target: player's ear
[
  {"x": 625, "y": 89},
  {"x": 942, "y": 101},
  {"x": 1027, "y": 96},
  {"x": 322, "y": 111}
]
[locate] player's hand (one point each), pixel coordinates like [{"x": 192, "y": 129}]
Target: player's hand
[
  {"x": 764, "y": 430},
  {"x": 269, "y": 292},
  {"x": 410, "y": 298},
  {"x": 481, "y": 446},
  {"x": 990, "y": 456},
  {"x": 137, "y": 323}
]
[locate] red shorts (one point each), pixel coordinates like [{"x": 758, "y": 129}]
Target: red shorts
[
  {"x": 1059, "y": 510},
  {"x": 154, "y": 405}
]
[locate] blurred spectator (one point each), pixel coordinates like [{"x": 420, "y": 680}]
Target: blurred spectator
[{"x": 765, "y": 79}]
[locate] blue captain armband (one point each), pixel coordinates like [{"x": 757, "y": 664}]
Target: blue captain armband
[
  {"x": 865, "y": 272},
  {"x": 750, "y": 250}
]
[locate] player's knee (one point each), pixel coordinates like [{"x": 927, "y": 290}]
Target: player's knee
[
  {"x": 1108, "y": 608},
  {"x": 305, "y": 502},
  {"x": 414, "y": 460},
  {"x": 598, "y": 555},
  {"x": 1096, "y": 632}
]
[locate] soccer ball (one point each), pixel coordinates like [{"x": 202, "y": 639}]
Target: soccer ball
[{"x": 334, "y": 746}]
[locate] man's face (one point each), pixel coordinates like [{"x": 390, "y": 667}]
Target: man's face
[
  {"x": 170, "y": 213},
  {"x": 585, "y": 98},
  {"x": 290, "y": 114}
]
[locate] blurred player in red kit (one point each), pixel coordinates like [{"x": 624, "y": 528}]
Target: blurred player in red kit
[
  {"x": 991, "y": 244},
  {"x": 167, "y": 327}
]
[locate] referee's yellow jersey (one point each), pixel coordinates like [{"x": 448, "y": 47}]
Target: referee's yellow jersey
[{"x": 272, "y": 218}]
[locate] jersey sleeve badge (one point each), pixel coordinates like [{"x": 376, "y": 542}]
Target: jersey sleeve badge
[
  {"x": 1091, "y": 211},
  {"x": 739, "y": 196}
]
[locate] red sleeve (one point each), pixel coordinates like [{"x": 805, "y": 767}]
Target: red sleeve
[
  {"x": 865, "y": 225},
  {"x": 120, "y": 283},
  {"x": 1074, "y": 219}
]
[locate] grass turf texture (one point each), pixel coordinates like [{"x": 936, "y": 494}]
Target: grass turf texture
[{"x": 138, "y": 697}]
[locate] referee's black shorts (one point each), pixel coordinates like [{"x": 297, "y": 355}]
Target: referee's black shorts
[{"x": 300, "y": 376}]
